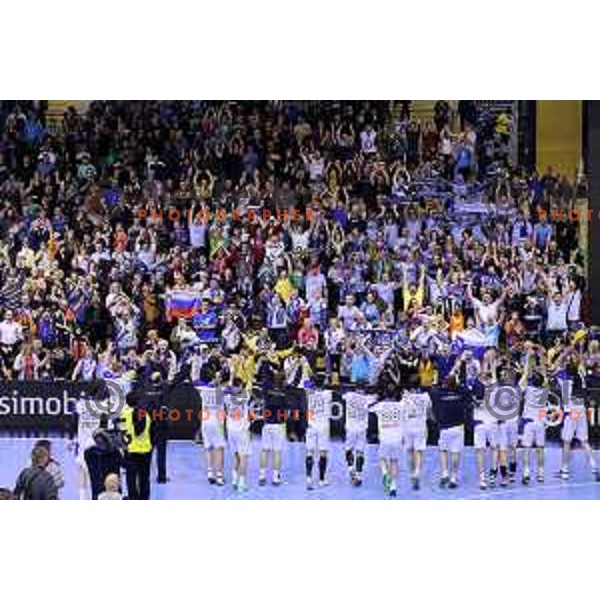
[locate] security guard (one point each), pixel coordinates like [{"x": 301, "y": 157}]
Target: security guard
[
  {"x": 136, "y": 425},
  {"x": 154, "y": 399}
]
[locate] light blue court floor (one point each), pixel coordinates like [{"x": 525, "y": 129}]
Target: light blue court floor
[{"x": 187, "y": 473}]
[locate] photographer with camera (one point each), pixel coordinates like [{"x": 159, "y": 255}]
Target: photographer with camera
[{"x": 103, "y": 458}]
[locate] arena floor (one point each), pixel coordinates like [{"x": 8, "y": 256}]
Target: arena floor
[{"x": 188, "y": 481}]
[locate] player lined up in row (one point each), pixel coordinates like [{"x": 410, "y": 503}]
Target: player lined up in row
[{"x": 402, "y": 417}]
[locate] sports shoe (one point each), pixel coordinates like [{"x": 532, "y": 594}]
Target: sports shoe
[
  {"x": 492, "y": 479},
  {"x": 387, "y": 482},
  {"x": 211, "y": 479},
  {"x": 220, "y": 480},
  {"x": 525, "y": 479},
  {"x": 482, "y": 482},
  {"x": 512, "y": 477},
  {"x": 564, "y": 474},
  {"x": 540, "y": 476},
  {"x": 453, "y": 484},
  {"x": 309, "y": 484},
  {"x": 415, "y": 483},
  {"x": 392, "y": 491},
  {"x": 444, "y": 481},
  {"x": 276, "y": 479},
  {"x": 242, "y": 487},
  {"x": 323, "y": 483},
  {"x": 504, "y": 481}
]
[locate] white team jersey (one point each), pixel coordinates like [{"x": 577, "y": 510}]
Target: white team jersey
[
  {"x": 571, "y": 399},
  {"x": 357, "y": 410},
  {"x": 390, "y": 421},
  {"x": 319, "y": 406},
  {"x": 212, "y": 402},
  {"x": 238, "y": 409},
  {"x": 415, "y": 406},
  {"x": 534, "y": 401},
  {"x": 87, "y": 423},
  {"x": 481, "y": 414}
]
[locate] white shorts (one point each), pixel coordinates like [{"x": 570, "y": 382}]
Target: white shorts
[
  {"x": 484, "y": 434},
  {"x": 534, "y": 433},
  {"x": 508, "y": 434},
  {"x": 317, "y": 440},
  {"x": 239, "y": 441},
  {"x": 356, "y": 439},
  {"x": 390, "y": 449},
  {"x": 452, "y": 439},
  {"x": 414, "y": 437},
  {"x": 273, "y": 437},
  {"x": 575, "y": 428},
  {"x": 213, "y": 435}
]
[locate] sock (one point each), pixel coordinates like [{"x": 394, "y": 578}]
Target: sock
[
  {"x": 444, "y": 474},
  {"x": 309, "y": 465},
  {"x": 241, "y": 480},
  {"x": 383, "y": 467},
  {"x": 349, "y": 458},
  {"x": 219, "y": 474},
  {"x": 234, "y": 477},
  {"x": 503, "y": 471},
  {"x": 360, "y": 461},
  {"x": 210, "y": 473},
  {"x": 276, "y": 474},
  {"x": 262, "y": 474},
  {"x": 513, "y": 467},
  {"x": 322, "y": 466}
]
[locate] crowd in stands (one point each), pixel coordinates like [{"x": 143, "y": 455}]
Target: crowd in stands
[{"x": 424, "y": 253}]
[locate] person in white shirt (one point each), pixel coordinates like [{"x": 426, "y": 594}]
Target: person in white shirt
[
  {"x": 368, "y": 138},
  {"x": 485, "y": 433},
  {"x": 389, "y": 419},
  {"x": 11, "y": 334},
  {"x": 556, "y": 318},
  {"x": 348, "y": 312},
  {"x": 213, "y": 430},
  {"x": 534, "y": 421},
  {"x": 486, "y": 311},
  {"x": 356, "y": 424},
  {"x": 237, "y": 406},
  {"x": 575, "y": 417},
  {"x": 317, "y": 433},
  {"x": 415, "y": 406},
  {"x": 573, "y": 304}
]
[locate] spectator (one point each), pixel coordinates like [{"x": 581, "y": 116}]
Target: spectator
[
  {"x": 36, "y": 482},
  {"x": 112, "y": 488},
  {"x": 53, "y": 467}
]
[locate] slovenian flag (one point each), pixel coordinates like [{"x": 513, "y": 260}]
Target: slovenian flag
[
  {"x": 477, "y": 340},
  {"x": 182, "y": 304}
]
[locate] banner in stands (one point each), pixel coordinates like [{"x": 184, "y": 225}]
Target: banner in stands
[{"x": 40, "y": 407}]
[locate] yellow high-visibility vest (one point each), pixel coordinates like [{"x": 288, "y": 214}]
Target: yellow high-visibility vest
[{"x": 137, "y": 444}]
